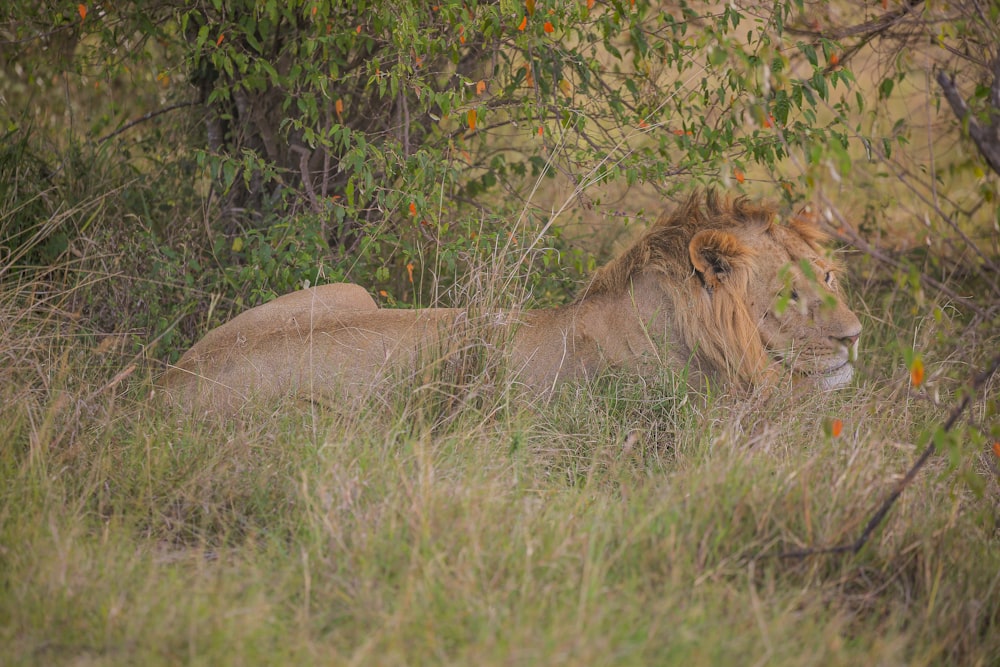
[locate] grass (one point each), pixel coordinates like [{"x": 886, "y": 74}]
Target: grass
[{"x": 621, "y": 524}]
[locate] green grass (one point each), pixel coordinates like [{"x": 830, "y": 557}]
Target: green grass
[{"x": 623, "y": 523}]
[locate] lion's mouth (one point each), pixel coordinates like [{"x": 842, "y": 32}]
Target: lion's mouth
[{"x": 835, "y": 377}]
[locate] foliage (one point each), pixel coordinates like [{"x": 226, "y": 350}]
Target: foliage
[{"x": 389, "y": 125}]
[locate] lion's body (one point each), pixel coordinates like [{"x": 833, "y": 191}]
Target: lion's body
[{"x": 698, "y": 291}]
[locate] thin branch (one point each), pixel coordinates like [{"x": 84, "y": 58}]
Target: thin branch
[
  {"x": 847, "y": 234},
  {"x": 854, "y": 547},
  {"x": 144, "y": 118}
]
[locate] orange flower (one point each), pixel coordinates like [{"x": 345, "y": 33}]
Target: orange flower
[
  {"x": 548, "y": 27},
  {"x": 738, "y": 175},
  {"x": 338, "y": 106},
  {"x": 382, "y": 292},
  {"x": 472, "y": 119},
  {"x": 480, "y": 87},
  {"x": 590, "y": 4},
  {"x": 409, "y": 270},
  {"x": 524, "y": 23},
  {"x": 83, "y": 11},
  {"x": 222, "y": 36},
  {"x": 413, "y": 208},
  {"x": 836, "y": 428},
  {"x": 996, "y": 449},
  {"x": 834, "y": 59},
  {"x": 917, "y": 372}
]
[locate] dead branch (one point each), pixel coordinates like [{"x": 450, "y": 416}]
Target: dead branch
[{"x": 883, "y": 509}]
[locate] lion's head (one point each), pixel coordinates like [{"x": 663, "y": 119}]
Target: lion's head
[{"x": 749, "y": 292}]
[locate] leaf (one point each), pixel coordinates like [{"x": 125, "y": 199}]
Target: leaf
[
  {"x": 917, "y": 372},
  {"x": 222, "y": 36},
  {"x": 472, "y": 119},
  {"x": 530, "y": 6}
]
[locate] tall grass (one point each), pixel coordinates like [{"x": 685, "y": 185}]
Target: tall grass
[
  {"x": 453, "y": 521},
  {"x": 622, "y": 523}
]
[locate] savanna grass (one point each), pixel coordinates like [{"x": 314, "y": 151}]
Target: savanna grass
[{"x": 452, "y": 520}]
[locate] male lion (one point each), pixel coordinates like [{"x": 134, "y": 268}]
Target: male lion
[{"x": 719, "y": 287}]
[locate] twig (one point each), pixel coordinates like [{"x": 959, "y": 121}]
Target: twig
[
  {"x": 144, "y": 118},
  {"x": 883, "y": 509}
]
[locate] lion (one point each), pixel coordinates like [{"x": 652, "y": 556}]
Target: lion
[{"x": 720, "y": 288}]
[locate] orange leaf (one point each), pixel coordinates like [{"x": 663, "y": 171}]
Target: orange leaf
[
  {"x": 836, "y": 428},
  {"x": 524, "y": 23},
  {"x": 338, "y": 106},
  {"x": 530, "y": 6},
  {"x": 409, "y": 270},
  {"x": 83, "y": 11},
  {"x": 917, "y": 372},
  {"x": 222, "y": 36},
  {"x": 413, "y": 208},
  {"x": 472, "y": 119},
  {"x": 738, "y": 175},
  {"x": 548, "y": 27},
  {"x": 480, "y": 87}
]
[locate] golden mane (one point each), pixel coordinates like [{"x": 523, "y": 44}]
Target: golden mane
[
  {"x": 664, "y": 247},
  {"x": 715, "y": 320}
]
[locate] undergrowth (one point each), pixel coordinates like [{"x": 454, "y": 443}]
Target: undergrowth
[{"x": 622, "y": 522}]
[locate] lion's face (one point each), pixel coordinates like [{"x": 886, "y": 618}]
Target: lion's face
[{"x": 801, "y": 315}]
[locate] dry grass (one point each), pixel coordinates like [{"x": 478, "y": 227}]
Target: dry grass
[{"x": 622, "y": 523}]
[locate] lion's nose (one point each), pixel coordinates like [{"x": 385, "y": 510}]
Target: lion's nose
[{"x": 849, "y": 340}]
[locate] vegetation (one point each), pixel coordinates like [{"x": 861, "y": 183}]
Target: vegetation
[{"x": 163, "y": 167}]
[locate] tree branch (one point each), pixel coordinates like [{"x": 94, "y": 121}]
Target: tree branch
[
  {"x": 854, "y": 547},
  {"x": 986, "y": 137},
  {"x": 143, "y": 119}
]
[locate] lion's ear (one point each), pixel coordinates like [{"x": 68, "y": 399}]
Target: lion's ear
[{"x": 715, "y": 254}]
